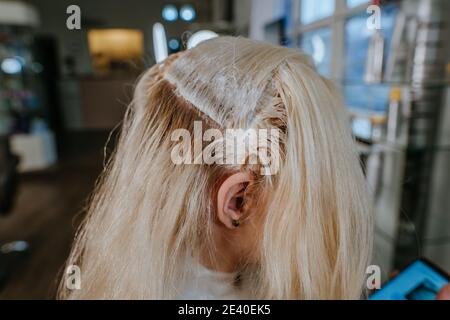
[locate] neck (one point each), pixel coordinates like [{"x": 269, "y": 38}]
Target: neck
[{"x": 223, "y": 256}]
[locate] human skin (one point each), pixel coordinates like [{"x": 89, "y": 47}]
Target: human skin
[{"x": 444, "y": 294}]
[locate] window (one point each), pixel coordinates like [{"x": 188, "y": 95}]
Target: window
[
  {"x": 313, "y": 10},
  {"x": 356, "y": 42},
  {"x": 321, "y": 24},
  {"x": 317, "y": 44},
  {"x": 355, "y": 3},
  {"x": 357, "y": 93}
]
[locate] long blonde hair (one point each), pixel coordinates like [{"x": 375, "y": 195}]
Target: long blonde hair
[{"x": 148, "y": 214}]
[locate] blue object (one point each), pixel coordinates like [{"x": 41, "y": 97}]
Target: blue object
[
  {"x": 419, "y": 281},
  {"x": 187, "y": 13},
  {"x": 174, "y": 44},
  {"x": 11, "y": 66},
  {"x": 313, "y": 10},
  {"x": 170, "y": 13}
]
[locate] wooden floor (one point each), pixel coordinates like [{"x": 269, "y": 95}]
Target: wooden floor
[{"x": 48, "y": 208}]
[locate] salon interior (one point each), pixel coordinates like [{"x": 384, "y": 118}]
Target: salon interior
[{"x": 68, "y": 68}]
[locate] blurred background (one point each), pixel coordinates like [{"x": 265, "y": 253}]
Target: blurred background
[{"x": 67, "y": 74}]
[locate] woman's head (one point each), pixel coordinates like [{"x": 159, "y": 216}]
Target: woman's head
[{"x": 291, "y": 216}]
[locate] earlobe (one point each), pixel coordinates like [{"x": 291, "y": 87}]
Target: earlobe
[{"x": 230, "y": 199}]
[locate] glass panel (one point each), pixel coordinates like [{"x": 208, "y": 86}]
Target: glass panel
[
  {"x": 373, "y": 97},
  {"x": 313, "y": 10},
  {"x": 355, "y": 3},
  {"x": 357, "y": 37},
  {"x": 317, "y": 44},
  {"x": 357, "y": 93},
  {"x": 362, "y": 128}
]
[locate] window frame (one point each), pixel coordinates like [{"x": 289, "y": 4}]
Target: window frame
[{"x": 336, "y": 22}]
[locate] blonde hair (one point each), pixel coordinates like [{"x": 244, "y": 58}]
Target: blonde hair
[{"x": 148, "y": 214}]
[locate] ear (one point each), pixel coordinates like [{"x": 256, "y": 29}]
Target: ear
[{"x": 230, "y": 198}]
